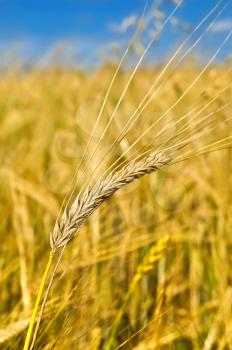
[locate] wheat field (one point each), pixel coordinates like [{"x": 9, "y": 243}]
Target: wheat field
[
  {"x": 150, "y": 266},
  {"x": 181, "y": 300}
]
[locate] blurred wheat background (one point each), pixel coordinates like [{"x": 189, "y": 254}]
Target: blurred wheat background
[{"x": 151, "y": 268}]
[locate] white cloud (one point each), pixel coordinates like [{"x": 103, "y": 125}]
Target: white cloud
[
  {"x": 126, "y": 23},
  {"x": 223, "y": 25}
]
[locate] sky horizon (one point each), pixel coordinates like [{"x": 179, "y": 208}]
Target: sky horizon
[{"x": 86, "y": 29}]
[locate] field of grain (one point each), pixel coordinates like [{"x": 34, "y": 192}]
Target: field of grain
[{"x": 151, "y": 268}]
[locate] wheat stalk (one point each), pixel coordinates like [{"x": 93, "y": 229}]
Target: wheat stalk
[{"x": 83, "y": 206}]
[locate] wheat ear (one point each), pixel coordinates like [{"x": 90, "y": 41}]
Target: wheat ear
[
  {"x": 13, "y": 330},
  {"x": 153, "y": 255},
  {"x": 83, "y": 206},
  {"x": 93, "y": 197}
]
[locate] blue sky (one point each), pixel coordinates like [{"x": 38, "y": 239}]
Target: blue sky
[{"x": 33, "y": 28}]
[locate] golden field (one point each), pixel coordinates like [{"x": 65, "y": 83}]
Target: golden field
[{"x": 151, "y": 268}]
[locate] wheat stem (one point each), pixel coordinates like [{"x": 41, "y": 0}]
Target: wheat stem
[{"x": 37, "y": 303}]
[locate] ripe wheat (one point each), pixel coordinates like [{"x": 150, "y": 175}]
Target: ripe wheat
[{"x": 92, "y": 198}]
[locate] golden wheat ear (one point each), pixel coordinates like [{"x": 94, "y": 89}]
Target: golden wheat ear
[{"x": 73, "y": 217}]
